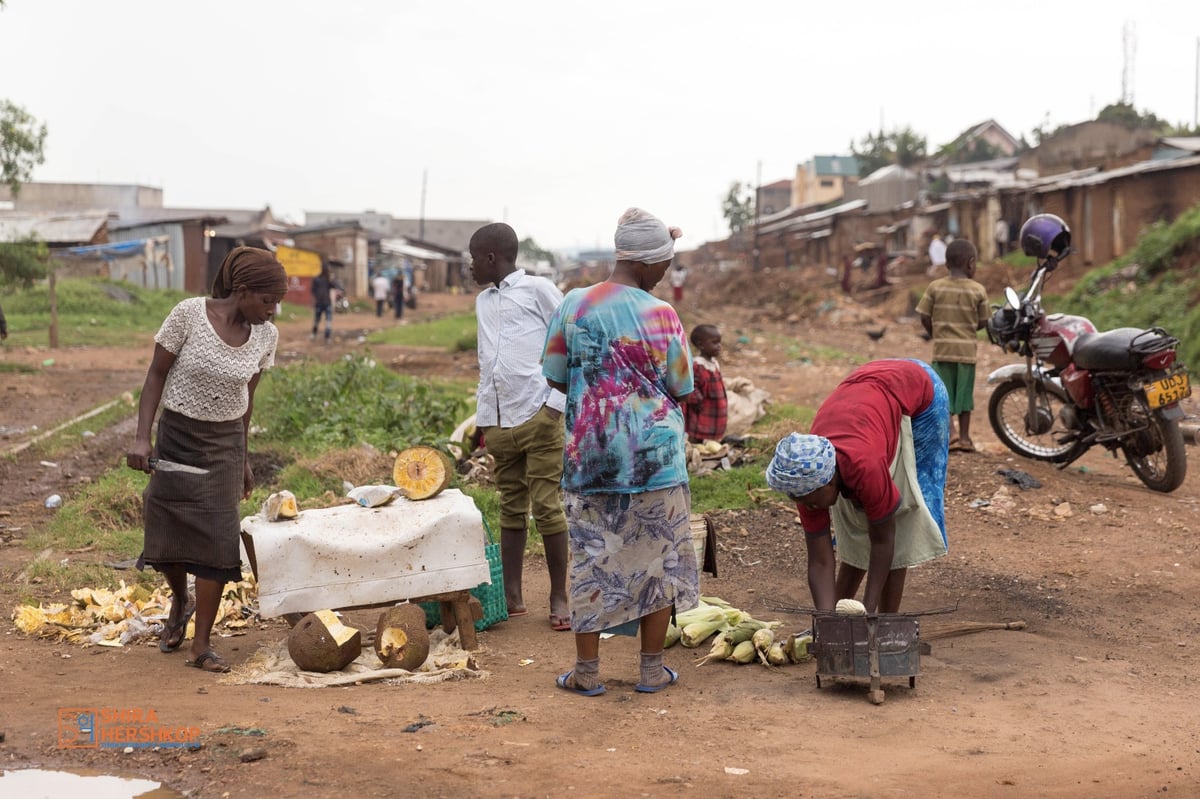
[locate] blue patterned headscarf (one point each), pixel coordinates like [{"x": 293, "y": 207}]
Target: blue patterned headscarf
[{"x": 802, "y": 464}]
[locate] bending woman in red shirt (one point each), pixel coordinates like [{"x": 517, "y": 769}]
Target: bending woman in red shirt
[{"x": 873, "y": 472}]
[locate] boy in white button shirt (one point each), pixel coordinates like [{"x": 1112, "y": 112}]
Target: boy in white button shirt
[{"x": 519, "y": 415}]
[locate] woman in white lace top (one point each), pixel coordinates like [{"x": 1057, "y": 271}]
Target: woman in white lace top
[{"x": 208, "y": 356}]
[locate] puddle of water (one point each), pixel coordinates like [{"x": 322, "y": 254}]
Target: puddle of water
[{"x": 35, "y": 783}]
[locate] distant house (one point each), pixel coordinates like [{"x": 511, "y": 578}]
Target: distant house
[
  {"x": 347, "y": 242},
  {"x": 887, "y": 187},
  {"x": 774, "y": 197},
  {"x": 39, "y": 197},
  {"x": 1097, "y": 143},
  {"x": 983, "y": 142},
  {"x": 450, "y": 233},
  {"x": 823, "y": 179}
]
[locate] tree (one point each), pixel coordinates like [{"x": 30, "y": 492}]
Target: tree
[
  {"x": 534, "y": 252},
  {"x": 1125, "y": 114},
  {"x": 738, "y": 206},
  {"x": 22, "y": 142},
  {"x": 22, "y": 262},
  {"x": 902, "y": 146}
]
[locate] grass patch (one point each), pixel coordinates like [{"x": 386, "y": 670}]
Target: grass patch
[
  {"x": 453, "y": 333},
  {"x": 105, "y": 517},
  {"x": 7, "y": 367},
  {"x": 728, "y": 489},
  {"x": 1154, "y": 284},
  {"x": 91, "y": 311},
  {"x": 52, "y": 575}
]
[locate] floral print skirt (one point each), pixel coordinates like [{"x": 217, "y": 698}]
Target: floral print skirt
[{"x": 631, "y": 555}]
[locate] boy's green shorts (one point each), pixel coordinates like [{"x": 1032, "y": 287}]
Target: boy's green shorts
[{"x": 960, "y": 384}]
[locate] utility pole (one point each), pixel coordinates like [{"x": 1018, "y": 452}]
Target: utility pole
[
  {"x": 1196, "y": 102},
  {"x": 421, "y": 222},
  {"x": 757, "y": 204}
]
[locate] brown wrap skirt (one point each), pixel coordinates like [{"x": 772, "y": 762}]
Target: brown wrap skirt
[{"x": 192, "y": 520}]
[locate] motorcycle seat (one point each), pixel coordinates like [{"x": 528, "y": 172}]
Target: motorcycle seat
[{"x": 1110, "y": 350}]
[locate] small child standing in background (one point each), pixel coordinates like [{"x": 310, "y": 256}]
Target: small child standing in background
[
  {"x": 952, "y": 310},
  {"x": 706, "y": 409}
]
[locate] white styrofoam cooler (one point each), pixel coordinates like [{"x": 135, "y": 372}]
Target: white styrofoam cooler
[{"x": 350, "y": 555}]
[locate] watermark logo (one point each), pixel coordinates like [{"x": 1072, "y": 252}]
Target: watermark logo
[{"x": 120, "y": 728}]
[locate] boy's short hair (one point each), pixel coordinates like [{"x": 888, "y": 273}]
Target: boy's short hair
[
  {"x": 959, "y": 253},
  {"x": 701, "y": 331},
  {"x": 498, "y": 238}
]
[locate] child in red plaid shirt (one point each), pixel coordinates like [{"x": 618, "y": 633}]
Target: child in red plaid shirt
[{"x": 706, "y": 408}]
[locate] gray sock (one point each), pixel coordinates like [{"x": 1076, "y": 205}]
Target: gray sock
[
  {"x": 587, "y": 673},
  {"x": 652, "y": 669}
]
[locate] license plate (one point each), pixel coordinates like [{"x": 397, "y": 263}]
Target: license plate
[{"x": 1168, "y": 390}]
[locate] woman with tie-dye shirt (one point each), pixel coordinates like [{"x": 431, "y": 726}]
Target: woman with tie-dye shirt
[{"x": 621, "y": 357}]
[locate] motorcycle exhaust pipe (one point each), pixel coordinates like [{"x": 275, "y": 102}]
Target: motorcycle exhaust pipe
[{"x": 1191, "y": 434}]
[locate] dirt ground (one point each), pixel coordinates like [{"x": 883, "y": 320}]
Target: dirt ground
[{"x": 1092, "y": 699}]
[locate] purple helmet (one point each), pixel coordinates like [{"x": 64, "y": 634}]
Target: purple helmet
[{"x": 1045, "y": 235}]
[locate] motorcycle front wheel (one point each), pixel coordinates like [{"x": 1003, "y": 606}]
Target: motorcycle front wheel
[
  {"x": 1157, "y": 453},
  {"x": 1033, "y": 436}
]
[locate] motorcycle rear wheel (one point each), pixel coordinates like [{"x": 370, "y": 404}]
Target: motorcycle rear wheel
[
  {"x": 1008, "y": 411},
  {"x": 1157, "y": 455}
]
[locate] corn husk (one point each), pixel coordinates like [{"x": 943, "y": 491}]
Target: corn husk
[
  {"x": 796, "y": 648},
  {"x": 762, "y": 640},
  {"x": 126, "y": 615},
  {"x": 672, "y": 636},
  {"x": 776, "y": 655}
]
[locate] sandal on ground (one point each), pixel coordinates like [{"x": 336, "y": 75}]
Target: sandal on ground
[
  {"x": 672, "y": 676},
  {"x": 559, "y": 623},
  {"x": 959, "y": 446},
  {"x": 210, "y": 661},
  {"x": 566, "y": 681},
  {"x": 173, "y": 634}
]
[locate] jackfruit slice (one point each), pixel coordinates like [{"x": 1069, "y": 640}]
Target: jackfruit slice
[{"x": 422, "y": 472}]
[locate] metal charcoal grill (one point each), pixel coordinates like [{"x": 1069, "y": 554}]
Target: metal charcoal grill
[{"x": 870, "y": 649}]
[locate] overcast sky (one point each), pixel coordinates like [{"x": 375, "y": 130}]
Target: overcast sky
[{"x": 552, "y": 116}]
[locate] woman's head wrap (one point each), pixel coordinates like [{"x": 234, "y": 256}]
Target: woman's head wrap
[
  {"x": 641, "y": 236},
  {"x": 801, "y": 465},
  {"x": 257, "y": 270}
]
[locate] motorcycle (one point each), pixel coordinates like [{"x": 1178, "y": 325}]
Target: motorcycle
[{"x": 1079, "y": 387}]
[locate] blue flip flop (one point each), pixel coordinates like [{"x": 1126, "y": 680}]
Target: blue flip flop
[
  {"x": 561, "y": 682},
  {"x": 672, "y": 676}
]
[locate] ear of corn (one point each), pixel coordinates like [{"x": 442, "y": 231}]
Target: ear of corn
[
  {"x": 743, "y": 652},
  {"x": 672, "y": 638},
  {"x": 722, "y": 649},
  {"x": 796, "y": 648},
  {"x": 761, "y": 641},
  {"x": 775, "y": 654}
]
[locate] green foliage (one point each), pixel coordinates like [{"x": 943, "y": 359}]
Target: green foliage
[
  {"x": 1156, "y": 283},
  {"x": 1125, "y": 114},
  {"x": 22, "y": 145},
  {"x": 450, "y": 333},
  {"x": 311, "y": 407},
  {"x": 68, "y": 439},
  {"x": 902, "y": 146},
  {"x": 738, "y": 206},
  {"x": 22, "y": 262},
  {"x": 530, "y": 249}
]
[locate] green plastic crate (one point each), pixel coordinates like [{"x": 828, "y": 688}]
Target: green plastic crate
[{"x": 490, "y": 595}]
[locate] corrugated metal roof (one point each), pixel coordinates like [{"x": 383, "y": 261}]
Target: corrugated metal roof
[
  {"x": 52, "y": 228},
  {"x": 142, "y": 217},
  {"x": 1140, "y": 168},
  {"x": 814, "y": 219},
  {"x": 401, "y": 247}
]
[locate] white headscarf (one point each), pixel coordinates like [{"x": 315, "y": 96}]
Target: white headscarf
[{"x": 643, "y": 237}]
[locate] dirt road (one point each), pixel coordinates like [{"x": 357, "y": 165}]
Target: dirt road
[{"x": 1092, "y": 699}]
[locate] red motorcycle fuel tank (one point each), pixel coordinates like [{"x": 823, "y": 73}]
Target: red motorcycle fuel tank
[
  {"x": 1078, "y": 384},
  {"x": 1055, "y": 335}
]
